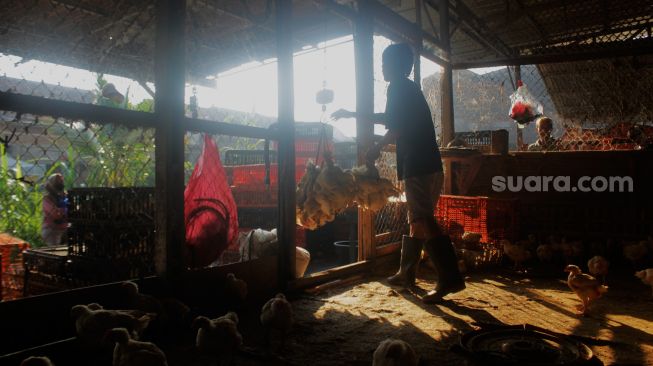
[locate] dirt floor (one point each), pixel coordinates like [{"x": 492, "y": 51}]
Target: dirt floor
[{"x": 343, "y": 325}]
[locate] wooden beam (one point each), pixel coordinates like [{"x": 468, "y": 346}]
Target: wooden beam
[
  {"x": 417, "y": 72},
  {"x": 229, "y": 129},
  {"x": 170, "y": 71},
  {"x": 76, "y": 111},
  {"x": 643, "y": 48},
  {"x": 386, "y": 17},
  {"x": 319, "y": 278},
  {"x": 446, "y": 83},
  {"x": 286, "y": 125},
  {"x": 364, "y": 63}
]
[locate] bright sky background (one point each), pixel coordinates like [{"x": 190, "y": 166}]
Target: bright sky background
[{"x": 251, "y": 87}]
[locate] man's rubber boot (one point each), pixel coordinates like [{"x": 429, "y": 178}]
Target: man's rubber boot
[
  {"x": 411, "y": 249},
  {"x": 442, "y": 253}
]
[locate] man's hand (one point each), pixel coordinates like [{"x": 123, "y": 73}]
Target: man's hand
[
  {"x": 342, "y": 113},
  {"x": 373, "y": 153}
]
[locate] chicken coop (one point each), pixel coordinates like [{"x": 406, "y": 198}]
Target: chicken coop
[{"x": 183, "y": 217}]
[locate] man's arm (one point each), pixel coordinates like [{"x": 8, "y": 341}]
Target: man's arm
[
  {"x": 375, "y": 151},
  {"x": 343, "y": 113}
]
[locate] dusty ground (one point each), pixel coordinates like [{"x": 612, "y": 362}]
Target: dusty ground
[{"x": 343, "y": 325}]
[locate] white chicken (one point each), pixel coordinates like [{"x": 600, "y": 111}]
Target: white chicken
[
  {"x": 92, "y": 322},
  {"x": 394, "y": 352},
  {"x": 517, "y": 252},
  {"x": 235, "y": 288},
  {"x": 129, "y": 352},
  {"x": 598, "y": 266},
  {"x": 277, "y": 316},
  {"x": 372, "y": 191},
  {"x": 37, "y": 361},
  {"x": 646, "y": 276},
  {"x": 218, "y": 338},
  {"x": 586, "y": 287}
]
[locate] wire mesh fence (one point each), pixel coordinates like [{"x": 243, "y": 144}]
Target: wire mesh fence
[{"x": 593, "y": 104}]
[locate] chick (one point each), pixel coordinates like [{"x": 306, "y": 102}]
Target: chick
[
  {"x": 36, "y": 361},
  {"x": 636, "y": 252},
  {"x": 138, "y": 301},
  {"x": 92, "y": 322},
  {"x": 646, "y": 276},
  {"x": 218, "y": 338},
  {"x": 598, "y": 266},
  {"x": 545, "y": 253},
  {"x": 128, "y": 352},
  {"x": 516, "y": 252},
  {"x": 394, "y": 352},
  {"x": 236, "y": 289},
  {"x": 586, "y": 287},
  {"x": 572, "y": 250},
  {"x": 277, "y": 315}
]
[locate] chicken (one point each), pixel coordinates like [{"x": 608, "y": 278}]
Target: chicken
[
  {"x": 572, "y": 250},
  {"x": 586, "y": 287},
  {"x": 218, "y": 338},
  {"x": 394, "y": 352},
  {"x": 171, "y": 313},
  {"x": 517, "y": 252},
  {"x": 636, "y": 252},
  {"x": 136, "y": 300},
  {"x": 334, "y": 186},
  {"x": 544, "y": 253},
  {"x": 128, "y": 352},
  {"x": 235, "y": 288},
  {"x": 598, "y": 266},
  {"x": 92, "y": 322},
  {"x": 277, "y": 315},
  {"x": 646, "y": 276},
  {"x": 372, "y": 191},
  {"x": 36, "y": 361}
]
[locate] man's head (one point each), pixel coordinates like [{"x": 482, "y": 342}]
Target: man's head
[
  {"x": 55, "y": 183},
  {"x": 636, "y": 135},
  {"x": 397, "y": 61},
  {"x": 544, "y": 126}
]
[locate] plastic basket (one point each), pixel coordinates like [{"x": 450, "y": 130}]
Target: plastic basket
[
  {"x": 248, "y": 157},
  {"x": 111, "y": 240},
  {"x": 116, "y": 204},
  {"x": 255, "y": 174},
  {"x": 493, "y": 218},
  {"x": 255, "y": 196}
]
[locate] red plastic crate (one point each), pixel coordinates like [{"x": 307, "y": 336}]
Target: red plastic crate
[
  {"x": 255, "y": 195},
  {"x": 11, "y": 252},
  {"x": 493, "y": 218},
  {"x": 255, "y": 174}
]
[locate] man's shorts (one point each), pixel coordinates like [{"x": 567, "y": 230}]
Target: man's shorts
[{"x": 422, "y": 194}]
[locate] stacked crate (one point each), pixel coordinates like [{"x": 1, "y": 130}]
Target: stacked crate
[{"x": 112, "y": 233}]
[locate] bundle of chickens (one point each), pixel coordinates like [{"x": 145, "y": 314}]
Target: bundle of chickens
[{"x": 325, "y": 191}]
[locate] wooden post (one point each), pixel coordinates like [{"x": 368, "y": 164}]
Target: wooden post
[
  {"x": 169, "y": 111},
  {"x": 364, "y": 63},
  {"x": 520, "y": 131},
  {"x": 446, "y": 84},
  {"x": 287, "y": 220},
  {"x": 417, "y": 72}
]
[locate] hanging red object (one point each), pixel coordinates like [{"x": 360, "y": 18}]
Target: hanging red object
[{"x": 209, "y": 208}]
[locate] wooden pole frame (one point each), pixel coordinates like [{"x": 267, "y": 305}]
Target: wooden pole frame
[
  {"x": 170, "y": 70},
  {"x": 446, "y": 84},
  {"x": 287, "y": 220},
  {"x": 364, "y": 65}
]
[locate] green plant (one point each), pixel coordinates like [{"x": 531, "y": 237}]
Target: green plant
[{"x": 20, "y": 202}]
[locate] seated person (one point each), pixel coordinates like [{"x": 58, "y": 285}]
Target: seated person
[
  {"x": 638, "y": 136},
  {"x": 545, "y": 142}
]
